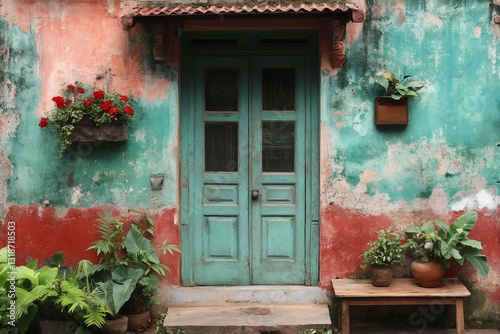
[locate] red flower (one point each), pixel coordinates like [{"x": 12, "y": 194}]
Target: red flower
[
  {"x": 87, "y": 102},
  {"x": 58, "y": 100},
  {"x": 71, "y": 87},
  {"x": 128, "y": 111},
  {"x": 80, "y": 90},
  {"x": 113, "y": 111},
  {"x": 124, "y": 98},
  {"x": 67, "y": 102},
  {"x": 106, "y": 105},
  {"x": 44, "y": 121},
  {"x": 61, "y": 105},
  {"x": 99, "y": 94}
]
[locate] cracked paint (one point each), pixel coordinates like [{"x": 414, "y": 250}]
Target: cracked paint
[{"x": 444, "y": 162}]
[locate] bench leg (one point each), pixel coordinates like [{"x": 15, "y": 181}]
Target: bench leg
[
  {"x": 345, "y": 317},
  {"x": 459, "y": 305}
]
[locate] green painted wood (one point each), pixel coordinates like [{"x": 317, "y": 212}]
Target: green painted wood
[
  {"x": 228, "y": 238},
  {"x": 278, "y": 227},
  {"x": 220, "y": 241}
]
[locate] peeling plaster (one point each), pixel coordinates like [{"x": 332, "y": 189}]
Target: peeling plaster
[
  {"x": 408, "y": 169},
  {"x": 484, "y": 199},
  {"x": 432, "y": 19},
  {"x": 478, "y": 32},
  {"x": 77, "y": 193},
  {"x": 8, "y": 126},
  {"x": 400, "y": 11}
]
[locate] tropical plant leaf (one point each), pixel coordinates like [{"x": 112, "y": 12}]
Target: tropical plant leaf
[
  {"x": 383, "y": 82},
  {"x": 410, "y": 93},
  {"x": 4, "y": 274},
  {"x": 24, "y": 298},
  {"x": 47, "y": 275},
  {"x": 124, "y": 282},
  {"x": 3, "y": 255},
  {"x": 472, "y": 243},
  {"x": 138, "y": 245},
  {"x": 104, "y": 292},
  {"x": 415, "y": 84},
  {"x": 55, "y": 260},
  {"x": 31, "y": 275},
  {"x": 24, "y": 322},
  {"x": 478, "y": 260},
  {"x": 459, "y": 229}
]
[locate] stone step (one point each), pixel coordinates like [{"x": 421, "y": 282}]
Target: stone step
[
  {"x": 262, "y": 294},
  {"x": 247, "y": 319},
  {"x": 246, "y": 309}
]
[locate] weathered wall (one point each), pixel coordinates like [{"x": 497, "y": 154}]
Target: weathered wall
[
  {"x": 445, "y": 161},
  {"x": 56, "y": 201}
]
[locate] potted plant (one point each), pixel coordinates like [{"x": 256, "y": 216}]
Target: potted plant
[
  {"x": 382, "y": 255},
  {"x": 392, "y": 109},
  {"x": 95, "y": 116},
  {"x": 132, "y": 251},
  {"x": 50, "y": 295},
  {"x": 434, "y": 248}
]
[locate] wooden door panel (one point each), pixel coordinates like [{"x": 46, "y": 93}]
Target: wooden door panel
[
  {"x": 252, "y": 142},
  {"x": 277, "y": 218},
  {"x": 220, "y": 209}
]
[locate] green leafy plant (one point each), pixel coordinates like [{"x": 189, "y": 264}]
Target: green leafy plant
[
  {"x": 129, "y": 263},
  {"x": 387, "y": 250},
  {"x": 75, "y": 103},
  {"x": 159, "y": 321},
  {"x": 398, "y": 88},
  {"x": 47, "y": 291},
  {"x": 437, "y": 241},
  {"x": 317, "y": 331}
]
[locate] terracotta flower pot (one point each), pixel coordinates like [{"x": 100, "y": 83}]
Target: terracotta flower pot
[
  {"x": 427, "y": 274},
  {"x": 391, "y": 112},
  {"x": 138, "y": 322},
  {"x": 116, "y": 326},
  {"x": 381, "y": 275}
]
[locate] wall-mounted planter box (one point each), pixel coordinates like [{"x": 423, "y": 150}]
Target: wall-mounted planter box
[
  {"x": 391, "y": 112},
  {"x": 87, "y": 131}
]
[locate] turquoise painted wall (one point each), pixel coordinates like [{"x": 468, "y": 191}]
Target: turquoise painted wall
[
  {"x": 454, "y": 128},
  {"x": 88, "y": 174}
]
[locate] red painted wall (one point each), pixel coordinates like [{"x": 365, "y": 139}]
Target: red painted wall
[
  {"x": 345, "y": 233},
  {"x": 40, "y": 232}
]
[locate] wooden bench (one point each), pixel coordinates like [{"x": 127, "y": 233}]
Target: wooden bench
[{"x": 401, "y": 291}]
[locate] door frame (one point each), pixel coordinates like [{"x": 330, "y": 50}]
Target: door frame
[{"x": 247, "y": 45}]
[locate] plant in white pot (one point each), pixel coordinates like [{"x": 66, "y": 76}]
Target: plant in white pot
[
  {"x": 382, "y": 255},
  {"x": 434, "y": 248}
]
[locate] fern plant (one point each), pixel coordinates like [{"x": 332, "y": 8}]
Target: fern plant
[{"x": 47, "y": 292}]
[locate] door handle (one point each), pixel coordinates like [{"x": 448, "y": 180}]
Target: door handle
[{"x": 255, "y": 194}]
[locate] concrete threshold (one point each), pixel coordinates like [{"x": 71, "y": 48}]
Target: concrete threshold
[{"x": 247, "y": 319}]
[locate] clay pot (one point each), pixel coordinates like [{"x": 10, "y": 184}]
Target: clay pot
[
  {"x": 138, "y": 322},
  {"x": 427, "y": 274},
  {"x": 116, "y": 326},
  {"x": 381, "y": 275}
]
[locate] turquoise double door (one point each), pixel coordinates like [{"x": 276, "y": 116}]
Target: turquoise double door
[{"x": 245, "y": 179}]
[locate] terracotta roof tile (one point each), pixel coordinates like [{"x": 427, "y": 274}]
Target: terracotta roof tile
[{"x": 244, "y": 9}]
